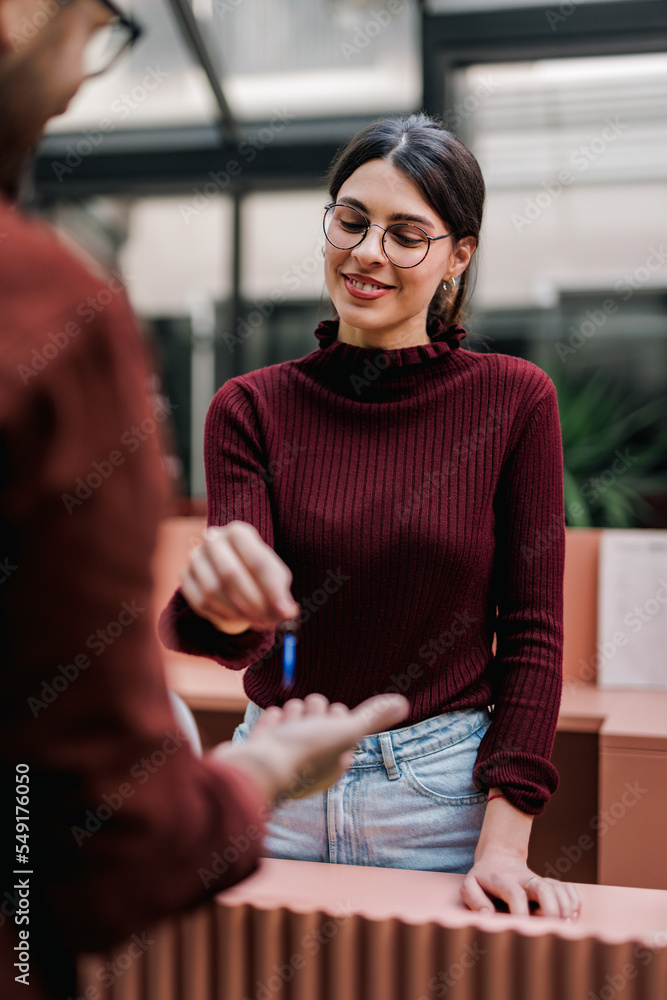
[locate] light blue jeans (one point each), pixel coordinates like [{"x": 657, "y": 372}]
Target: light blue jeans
[{"x": 408, "y": 801}]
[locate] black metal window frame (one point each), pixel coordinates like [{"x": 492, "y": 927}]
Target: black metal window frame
[{"x": 452, "y": 41}]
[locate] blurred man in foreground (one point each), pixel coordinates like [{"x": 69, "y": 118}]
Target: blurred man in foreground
[{"x": 109, "y": 815}]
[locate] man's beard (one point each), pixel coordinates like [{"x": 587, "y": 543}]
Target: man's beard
[
  {"x": 16, "y": 174},
  {"x": 21, "y": 127}
]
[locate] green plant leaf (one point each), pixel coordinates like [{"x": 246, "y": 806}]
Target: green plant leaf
[
  {"x": 576, "y": 507},
  {"x": 599, "y": 424}
]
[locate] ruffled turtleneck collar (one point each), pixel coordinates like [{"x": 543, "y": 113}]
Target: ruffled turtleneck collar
[
  {"x": 443, "y": 339},
  {"x": 373, "y": 373}
]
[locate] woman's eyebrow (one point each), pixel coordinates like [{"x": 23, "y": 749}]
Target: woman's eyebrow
[{"x": 394, "y": 217}]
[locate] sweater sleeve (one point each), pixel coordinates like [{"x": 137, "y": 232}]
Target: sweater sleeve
[
  {"x": 236, "y": 490},
  {"x": 126, "y": 824},
  {"x": 528, "y": 572}
]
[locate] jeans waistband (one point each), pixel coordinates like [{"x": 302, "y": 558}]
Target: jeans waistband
[
  {"x": 429, "y": 735},
  {"x": 395, "y": 745}
]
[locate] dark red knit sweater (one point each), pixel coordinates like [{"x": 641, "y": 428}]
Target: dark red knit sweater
[{"x": 417, "y": 496}]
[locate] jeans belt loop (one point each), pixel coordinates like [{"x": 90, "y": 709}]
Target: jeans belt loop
[{"x": 388, "y": 756}]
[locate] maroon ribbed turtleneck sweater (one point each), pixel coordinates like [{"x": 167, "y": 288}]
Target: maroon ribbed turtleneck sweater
[{"x": 416, "y": 494}]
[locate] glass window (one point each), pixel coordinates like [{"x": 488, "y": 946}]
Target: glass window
[
  {"x": 178, "y": 252},
  {"x": 573, "y": 264},
  {"x": 282, "y": 242},
  {"x": 574, "y": 155},
  {"x": 451, "y": 6},
  {"x": 177, "y": 266},
  {"x": 282, "y": 275},
  {"x": 312, "y": 58},
  {"x": 315, "y": 57}
]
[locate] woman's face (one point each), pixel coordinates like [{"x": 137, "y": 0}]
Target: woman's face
[{"x": 400, "y": 296}]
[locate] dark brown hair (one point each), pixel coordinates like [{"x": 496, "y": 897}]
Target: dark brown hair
[{"x": 444, "y": 170}]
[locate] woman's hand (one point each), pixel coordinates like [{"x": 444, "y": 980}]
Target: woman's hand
[
  {"x": 506, "y": 876},
  {"x": 236, "y": 581},
  {"x": 501, "y": 868}
]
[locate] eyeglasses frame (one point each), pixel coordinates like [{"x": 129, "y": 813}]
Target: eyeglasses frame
[
  {"x": 369, "y": 224},
  {"x": 135, "y": 32}
]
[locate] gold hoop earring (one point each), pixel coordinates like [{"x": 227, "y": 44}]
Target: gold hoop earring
[{"x": 449, "y": 285}]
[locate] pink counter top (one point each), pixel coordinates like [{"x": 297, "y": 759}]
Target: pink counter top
[
  {"x": 631, "y": 719},
  {"x": 609, "y": 913}
]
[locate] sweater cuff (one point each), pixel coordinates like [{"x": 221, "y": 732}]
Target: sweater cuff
[
  {"x": 246, "y": 813},
  {"x": 527, "y": 781},
  {"x": 182, "y": 630}
]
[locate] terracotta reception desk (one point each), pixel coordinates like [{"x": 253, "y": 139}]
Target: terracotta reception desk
[
  {"x": 607, "y": 821},
  {"x": 302, "y": 931}
]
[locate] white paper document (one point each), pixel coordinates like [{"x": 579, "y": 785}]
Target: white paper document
[{"x": 632, "y": 610}]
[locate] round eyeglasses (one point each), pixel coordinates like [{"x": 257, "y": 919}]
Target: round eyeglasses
[
  {"x": 110, "y": 41},
  {"x": 403, "y": 244}
]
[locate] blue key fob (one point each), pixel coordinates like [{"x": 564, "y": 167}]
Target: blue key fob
[{"x": 289, "y": 659}]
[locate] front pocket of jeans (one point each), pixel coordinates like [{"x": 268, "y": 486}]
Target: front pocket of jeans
[{"x": 446, "y": 774}]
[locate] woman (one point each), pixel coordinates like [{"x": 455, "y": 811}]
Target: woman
[{"x": 409, "y": 493}]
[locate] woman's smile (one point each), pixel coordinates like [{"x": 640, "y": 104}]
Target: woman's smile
[{"x": 363, "y": 286}]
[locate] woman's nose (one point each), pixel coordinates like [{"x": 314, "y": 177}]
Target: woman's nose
[{"x": 370, "y": 249}]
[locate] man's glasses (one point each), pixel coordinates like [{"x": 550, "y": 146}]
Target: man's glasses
[
  {"x": 403, "y": 244},
  {"x": 110, "y": 41}
]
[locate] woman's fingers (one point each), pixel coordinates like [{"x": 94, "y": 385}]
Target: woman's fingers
[
  {"x": 474, "y": 896},
  {"x": 568, "y": 898},
  {"x": 554, "y": 898},
  {"x": 575, "y": 899},
  {"x": 515, "y": 896},
  {"x": 268, "y": 571},
  {"x": 547, "y": 896},
  {"x": 221, "y": 615},
  {"x": 231, "y": 585},
  {"x": 191, "y": 590},
  {"x": 234, "y": 576}
]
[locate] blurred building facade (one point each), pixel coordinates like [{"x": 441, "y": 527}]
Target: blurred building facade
[{"x": 213, "y": 212}]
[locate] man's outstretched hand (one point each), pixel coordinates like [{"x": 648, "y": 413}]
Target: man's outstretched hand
[{"x": 305, "y": 746}]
